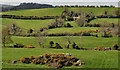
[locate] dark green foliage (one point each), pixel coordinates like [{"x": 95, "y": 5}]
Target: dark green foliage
[
  {"x": 68, "y": 25},
  {"x": 77, "y": 47},
  {"x": 30, "y": 31},
  {"x": 70, "y": 19},
  {"x": 115, "y": 47},
  {"x": 58, "y": 46},
  {"x": 73, "y": 45},
  {"x": 105, "y": 12},
  {"x": 51, "y": 44},
  {"x": 18, "y": 45}
]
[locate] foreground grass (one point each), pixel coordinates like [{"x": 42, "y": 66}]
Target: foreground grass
[
  {"x": 93, "y": 59},
  {"x": 84, "y": 41}
]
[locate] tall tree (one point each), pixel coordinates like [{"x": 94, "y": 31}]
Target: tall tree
[
  {"x": 6, "y": 37},
  {"x": 81, "y": 21},
  {"x": 41, "y": 38},
  {"x": 68, "y": 39}
]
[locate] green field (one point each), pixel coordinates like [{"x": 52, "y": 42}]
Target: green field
[
  {"x": 58, "y": 11},
  {"x": 27, "y": 24},
  {"x": 105, "y": 20},
  {"x": 37, "y": 12},
  {"x": 84, "y": 41},
  {"x": 93, "y": 59},
  {"x": 96, "y": 11},
  {"x": 70, "y": 30}
]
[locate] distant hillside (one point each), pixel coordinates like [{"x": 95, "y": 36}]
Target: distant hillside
[
  {"x": 23, "y": 6},
  {"x": 4, "y": 5}
]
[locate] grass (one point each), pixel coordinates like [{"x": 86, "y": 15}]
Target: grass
[
  {"x": 27, "y": 24},
  {"x": 58, "y": 11},
  {"x": 93, "y": 59},
  {"x": 96, "y": 11},
  {"x": 84, "y": 41},
  {"x": 70, "y": 30},
  {"x": 105, "y": 20},
  {"x": 37, "y": 12}
]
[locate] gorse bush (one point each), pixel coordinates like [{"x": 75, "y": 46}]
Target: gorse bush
[{"x": 54, "y": 60}]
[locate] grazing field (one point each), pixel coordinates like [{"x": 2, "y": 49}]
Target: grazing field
[
  {"x": 96, "y": 11},
  {"x": 58, "y": 11},
  {"x": 105, "y": 20},
  {"x": 70, "y": 30},
  {"x": 37, "y": 12},
  {"x": 84, "y": 41},
  {"x": 27, "y": 24},
  {"x": 93, "y": 59},
  {"x": 24, "y": 35}
]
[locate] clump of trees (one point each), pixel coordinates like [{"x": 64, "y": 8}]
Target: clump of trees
[
  {"x": 14, "y": 29},
  {"x": 109, "y": 31}
]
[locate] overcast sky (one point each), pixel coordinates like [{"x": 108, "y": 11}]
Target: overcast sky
[{"x": 16, "y": 2}]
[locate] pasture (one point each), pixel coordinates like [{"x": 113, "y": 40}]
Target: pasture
[
  {"x": 93, "y": 59},
  {"x": 58, "y": 11},
  {"x": 84, "y": 41}
]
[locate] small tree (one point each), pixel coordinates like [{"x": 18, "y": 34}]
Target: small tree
[
  {"x": 51, "y": 44},
  {"x": 41, "y": 37},
  {"x": 69, "y": 25},
  {"x": 68, "y": 38},
  {"x": 14, "y": 29},
  {"x": 115, "y": 47},
  {"x": 73, "y": 45},
  {"x": 81, "y": 21},
  {"x": 6, "y": 37},
  {"x": 105, "y": 12},
  {"x": 30, "y": 31}
]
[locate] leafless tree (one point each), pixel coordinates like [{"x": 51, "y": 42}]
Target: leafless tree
[
  {"x": 41, "y": 37},
  {"x": 68, "y": 39}
]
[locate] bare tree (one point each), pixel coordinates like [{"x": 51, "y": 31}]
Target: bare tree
[
  {"x": 68, "y": 39},
  {"x": 14, "y": 29},
  {"x": 41, "y": 38},
  {"x": 6, "y": 37},
  {"x": 80, "y": 40},
  {"x": 81, "y": 21}
]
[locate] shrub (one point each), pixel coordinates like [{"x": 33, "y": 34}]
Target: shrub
[
  {"x": 73, "y": 45},
  {"x": 54, "y": 60},
  {"x": 115, "y": 47},
  {"x": 18, "y": 45},
  {"x": 58, "y": 46},
  {"x": 68, "y": 25},
  {"x": 25, "y": 60},
  {"x": 30, "y": 31},
  {"x": 51, "y": 44}
]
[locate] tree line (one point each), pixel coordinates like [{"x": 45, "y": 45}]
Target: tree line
[{"x": 28, "y": 17}]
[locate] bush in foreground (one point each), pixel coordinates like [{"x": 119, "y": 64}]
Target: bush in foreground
[{"x": 54, "y": 60}]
